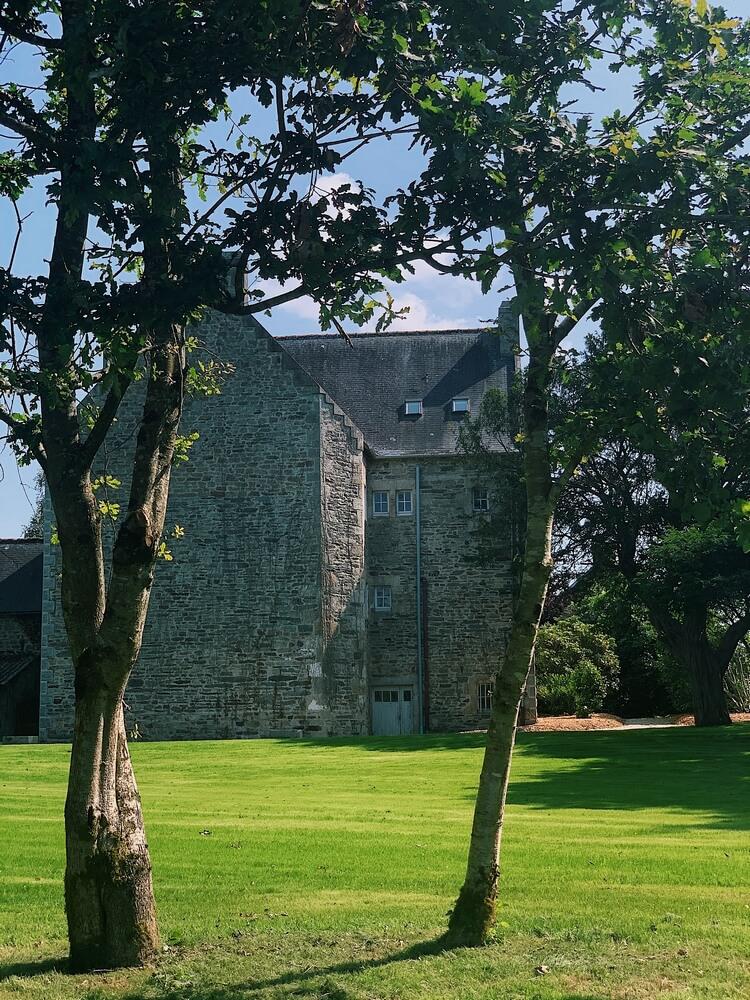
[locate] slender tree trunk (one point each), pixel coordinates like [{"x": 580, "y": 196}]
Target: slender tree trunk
[
  {"x": 108, "y": 890},
  {"x": 473, "y": 917},
  {"x": 108, "y": 886}
]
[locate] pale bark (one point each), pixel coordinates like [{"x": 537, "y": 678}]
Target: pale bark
[
  {"x": 473, "y": 916},
  {"x": 108, "y": 890}
]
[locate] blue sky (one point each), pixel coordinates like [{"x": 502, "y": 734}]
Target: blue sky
[{"x": 435, "y": 301}]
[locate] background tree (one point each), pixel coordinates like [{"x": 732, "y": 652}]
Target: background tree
[
  {"x": 34, "y": 528},
  {"x": 673, "y": 593},
  {"x": 687, "y": 409},
  {"x": 121, "y": 124}
]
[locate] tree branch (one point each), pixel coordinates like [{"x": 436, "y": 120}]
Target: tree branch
[
  {"x": 104, "y": 420},
  {"x": 732, "y": 638},
  {"x": 275, "y": 300},
  {"x": 9, "y": 28},
  {"x": 567, "y": 325}
]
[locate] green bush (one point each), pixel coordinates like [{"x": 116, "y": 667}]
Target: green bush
[
  {"x": 576, "y": 667},
  {"x": 646, "y": 682}
]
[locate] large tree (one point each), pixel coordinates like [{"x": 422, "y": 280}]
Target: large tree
[
  {"x": 682, "y": 401},
  {"x": 583, "y": 210},
  {"x": 118, "y": 121}
]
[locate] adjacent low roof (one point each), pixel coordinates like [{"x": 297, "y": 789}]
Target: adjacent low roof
[
  {"x": 20, "y": 575},
  {"x": 12, "y": 664},
  {"x": 372, "y": 378}
]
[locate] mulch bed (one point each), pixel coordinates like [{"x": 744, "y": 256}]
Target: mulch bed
[{"x": 602, "y": 720}]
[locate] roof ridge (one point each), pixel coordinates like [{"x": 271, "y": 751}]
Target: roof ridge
[{"x": 490, "y": 328}]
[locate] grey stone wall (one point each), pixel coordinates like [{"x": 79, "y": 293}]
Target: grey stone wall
[
  {"x": 467, "y": 602},
  {"x": 234, "y": 642},
  {"x": 344, "y": 702}
]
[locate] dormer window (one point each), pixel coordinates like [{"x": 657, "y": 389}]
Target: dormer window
[
  {"x": 460, "y": 404},
  {"x": 413, "y": 408}
]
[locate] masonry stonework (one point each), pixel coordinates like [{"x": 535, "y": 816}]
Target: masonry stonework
[
  {"x": 466, "y": 601},
  {"x": 265, "y": 624},
  {"x": 234, "y": 644}
]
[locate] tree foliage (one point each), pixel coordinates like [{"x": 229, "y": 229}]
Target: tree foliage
[{"x": 164, "y": 137}]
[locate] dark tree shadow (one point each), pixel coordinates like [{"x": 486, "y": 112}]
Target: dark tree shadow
[
  {"x": 26, "y": 970},
  {"x": 704, "y": 771},
  {"x": 309, "y": 982},
  {"x": 684, "y": 768},
  {"x": 303, "y": 979}
]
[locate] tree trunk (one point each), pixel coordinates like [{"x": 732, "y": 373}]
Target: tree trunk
[
  {"x": 528, "y": 714},
  {"x": 108, "y": 890},
  {"x": 473, "y": 917},
  {"x": 707, "y": 686},
  {"x": 704, "y": 664}
]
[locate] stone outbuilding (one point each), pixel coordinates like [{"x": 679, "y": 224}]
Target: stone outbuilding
[
  {"x": 20, "y": 629},
  {"x": 329, "y": 582}
]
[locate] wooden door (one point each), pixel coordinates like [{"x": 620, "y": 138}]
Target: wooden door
[{"x": 392, "y": 711}]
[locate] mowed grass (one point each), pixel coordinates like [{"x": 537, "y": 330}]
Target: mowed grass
[{"x": 325, "y": 870}]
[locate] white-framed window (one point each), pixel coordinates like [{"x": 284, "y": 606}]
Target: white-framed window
[
  {"x": 484, "y": 697},
  {"x": 382, "y": 598},
  {"x": 480, "y": 499},
  {"x": 386, "y": 695},
  {"x": 380, "y": 504},
  {"x": 404, "y": 503},
  {"x": 413, "y": 407},
  {"x": 461, "y": 404}
]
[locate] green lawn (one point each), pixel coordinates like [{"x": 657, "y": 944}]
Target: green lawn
[{"x": 324, "y": 870}]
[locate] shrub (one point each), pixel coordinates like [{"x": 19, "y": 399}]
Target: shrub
[
  {"x": 576, "y": 666},
  {"x": 737, "y": 680},
  {"x": 647, "y": 685}
]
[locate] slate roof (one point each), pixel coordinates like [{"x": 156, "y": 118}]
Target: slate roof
[
  {"x": 20, "y": 576},
  {"x": 372, "y": 379}
]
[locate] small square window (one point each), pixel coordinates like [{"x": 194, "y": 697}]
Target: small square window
[
  {"x": 403, "y": 502},
  {"x": 484, "y": 697},
  {"x": 480, "y": 500},
  {"x": 413, "y": 407},
  {"x": 380, "y": 505},
  {"x": 382, "y": 598},
  {"x": 378, "y": 696},
  {"x": 460, "y": 404},
  {"x": 407, "y": 695}
]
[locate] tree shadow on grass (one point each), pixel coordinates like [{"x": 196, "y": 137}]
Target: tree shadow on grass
[
  {"x": 706, "y": 771},
  {"x": 304, "y": 980},
  {"x": 700, "y": 771},
  {"x": 26, "y": 970},
  {"x": 316, "y": 982},
  {"x": 397, "y": 744}
]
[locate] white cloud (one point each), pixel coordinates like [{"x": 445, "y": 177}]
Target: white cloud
[
  {"x": 327, "y": 183},
  {"x": 422, "y": 317}
]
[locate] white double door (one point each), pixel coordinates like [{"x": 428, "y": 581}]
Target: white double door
[{"x": 393, "y": 711}]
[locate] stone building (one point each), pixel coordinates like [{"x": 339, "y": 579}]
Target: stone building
[
  {"x": 328, "y": 582},
  {"x": 20, "y": 628}
]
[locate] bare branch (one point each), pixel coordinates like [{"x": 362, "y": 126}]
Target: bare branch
[
  {"x": 567, "y": 325},
  {"x": 732, "y": 638},
  {"x": 104, "y": 420},
  {"x": 263, "y": 304}
]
